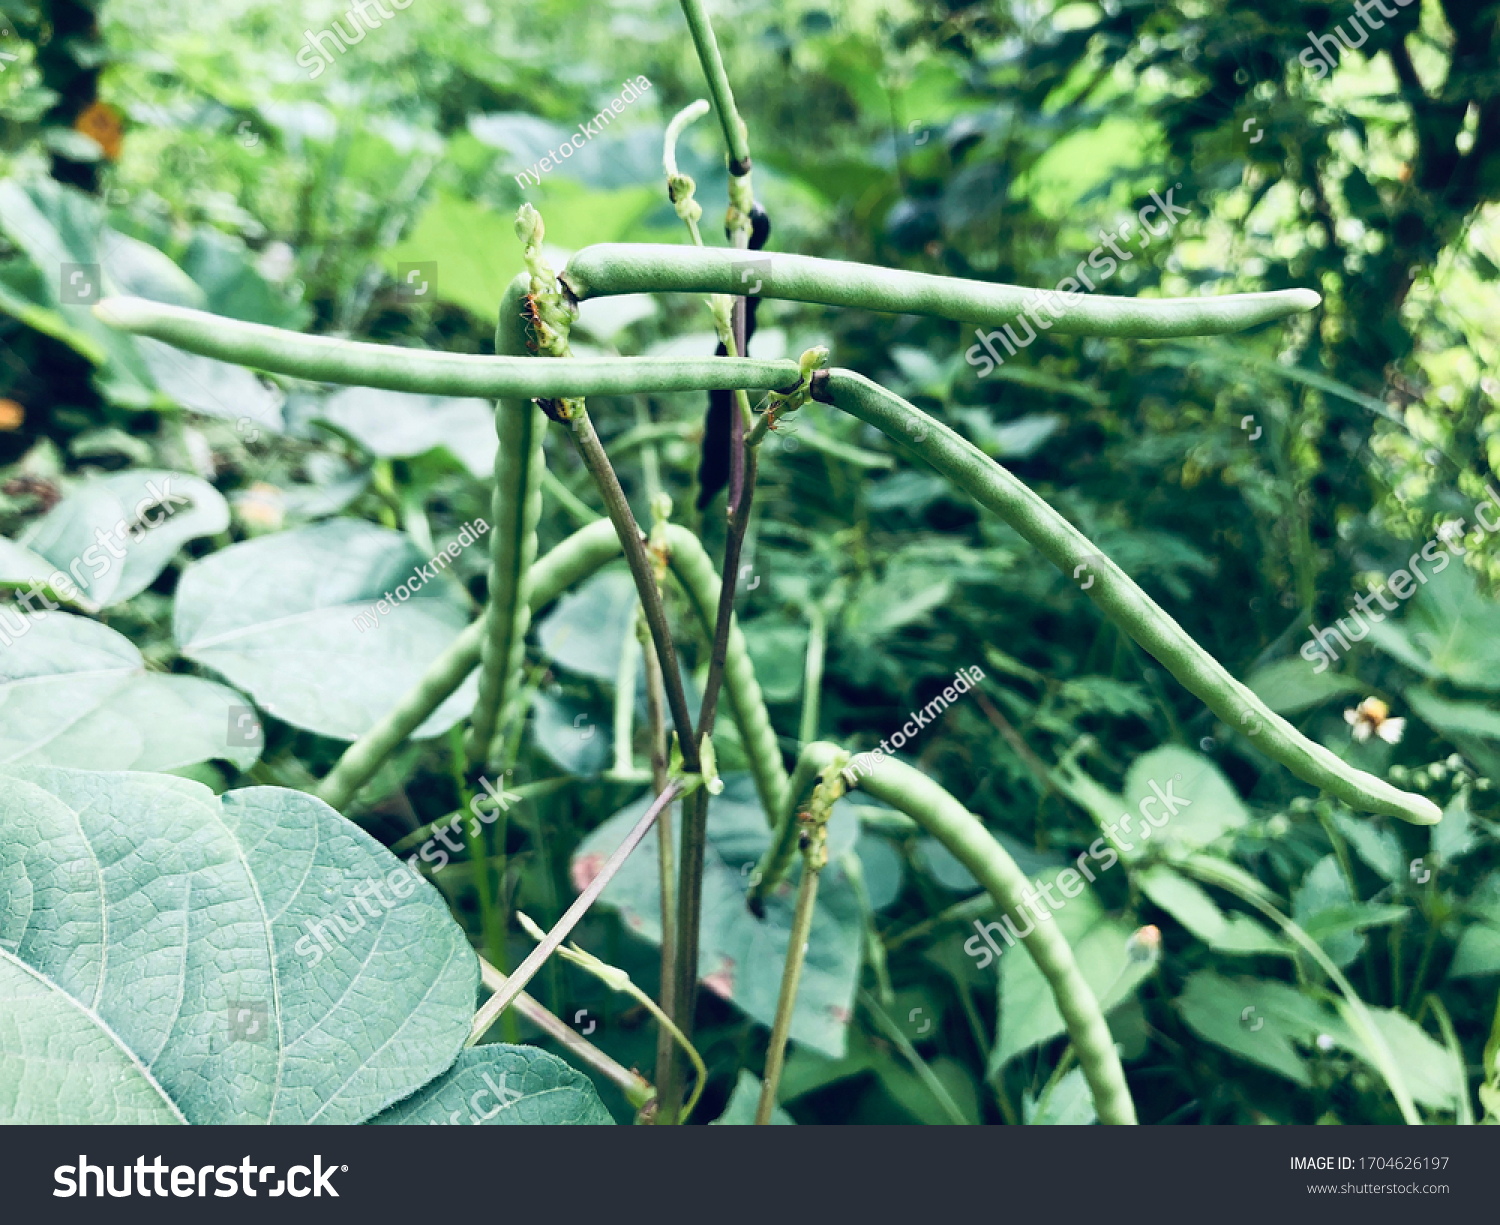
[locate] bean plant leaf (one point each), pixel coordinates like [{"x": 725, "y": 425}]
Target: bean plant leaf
[
  {"x": 500, "y": 1085},
  {"x": 586, "y": 630},
  {"x": 1165, "y": 779},
  {"x": 277, "y": 617},
  {"x": 1259, "y": 1020},
  {"x": 1187, "y": 902},
  {"x": 115, "y": 534},
  {"x": 1290, "y": 686},
  {"x": 740, "y": 957},
  {"x": 253, "y": 958},
  {"x": 72, "y": 692},
  {"x": 400, "y": 425}
]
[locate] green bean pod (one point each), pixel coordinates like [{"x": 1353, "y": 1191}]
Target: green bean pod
[
  {"x": 520, "y": 427},
  {"x": 615, "y": 268},
  {"x": 1117, "y": 596},
  {"x": 908, "y": 790},
  {"x": 326, "y": 359}
]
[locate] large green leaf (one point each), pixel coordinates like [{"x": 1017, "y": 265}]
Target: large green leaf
[
  {"x": 1290, "y": 686},
  {"x": 1453, "y": 718},
  {"x": 251, "y": 958},
  {"x": 1188, "y": 903},
  {"x": 276, "y": 616},
  {"x": 1208, "y": 804},
  {"x": 79, "y": 535},
  {"x": 500, "y": 1086},
  {"x": 586, "y": 631},
  {"x": 76, "y": 693},
  {"x": 1258, "y": 1019},
  {"x": 399, "y": 425},
  {"x": 740, "y": 957},
  {"x": 58, "y": 227}
]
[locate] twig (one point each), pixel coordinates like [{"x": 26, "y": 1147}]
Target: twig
[
  {"x": 638, "y": 1091},
  {"x": 502, "y": 999}
]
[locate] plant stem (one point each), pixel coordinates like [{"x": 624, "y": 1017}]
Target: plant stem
[
  {"x": 571, "y": 561},
  {"x": 502, "y": 999},
  {"x": 912, "y": 792},
  {"x": 786, "y": 1002},
  {"x": 1117, "y": 596},
  {"x": 624, "y": 717},
  {"x": 516, "y": 508},
  {"x": 527, "y": 791},
  {"x": 329, "y": 360},
  {"x": 638, "y": 1091},
  {"x": 633, "y": 542},
  {"x": 666, "y": 846},
  {"x": 777, "y": 859},
  {"x": 616, "y": 268},
  {"x": 718, "y": 86}
]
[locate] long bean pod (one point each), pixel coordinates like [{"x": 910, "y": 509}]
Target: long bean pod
[
  {"x": 1118, "y": 597},
  {"x": 360, "y": 364},
  {"x": 910, "y": 791},
  {"x": 520, "y": 427},
  {"x": 616, "y": 268}
]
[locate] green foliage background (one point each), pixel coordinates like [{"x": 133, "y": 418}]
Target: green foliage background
[{"x": 1252, "y": 484}]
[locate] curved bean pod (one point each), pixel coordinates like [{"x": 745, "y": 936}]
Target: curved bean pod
[
  {"x": 359, "y": 364},
  {"x": 1117, "y": 596},
  {"x": 614, "y": 268},
  {"x": 908, "y": 790}
]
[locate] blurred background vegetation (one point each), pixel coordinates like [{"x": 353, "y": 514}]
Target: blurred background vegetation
[{"x": 1252, "y": 484}]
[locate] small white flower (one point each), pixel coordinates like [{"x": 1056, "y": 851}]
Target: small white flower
[{"x": 1372, "y": 717}]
